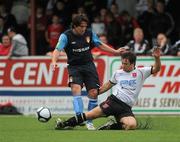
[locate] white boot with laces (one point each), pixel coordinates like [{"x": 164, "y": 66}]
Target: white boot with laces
[{"x": 90, "y": 126}]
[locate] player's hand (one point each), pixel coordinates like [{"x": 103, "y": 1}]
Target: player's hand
[
  {"x": 163, "y": 42},
  {"x": 54, "y": 66},
  {"x": 120, "y": 51},
  {"x": 156, "y": 52}
]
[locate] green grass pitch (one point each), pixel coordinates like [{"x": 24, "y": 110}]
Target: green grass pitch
[{"x": 29, "y": 129}]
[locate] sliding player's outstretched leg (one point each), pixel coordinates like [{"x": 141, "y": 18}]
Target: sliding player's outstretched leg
[
  {"x": 111, "y": 125},
  {"x": 71, "y": 122}
]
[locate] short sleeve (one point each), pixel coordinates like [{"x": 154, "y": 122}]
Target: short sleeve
[
  {"x": 62, "y": 42},
  {"x": 113, "y": 78},
  {"x": 146, "y": 71},
  {"x": 96, "y": 41}
]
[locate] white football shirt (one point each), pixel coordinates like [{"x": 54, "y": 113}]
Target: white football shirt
[{"x": 128, "y": 84}]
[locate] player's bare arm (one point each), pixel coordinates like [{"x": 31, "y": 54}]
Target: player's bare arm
[
  {"x": 108, "y": 85},
  {"x": 105, "y": 47},
  {"x": 157, "y": 65},
  {"x": 55, "y": 56},
  {"x": 157, "y": 53}
]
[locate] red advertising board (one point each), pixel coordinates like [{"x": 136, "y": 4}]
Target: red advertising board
[{"x": 36, "y": 73}]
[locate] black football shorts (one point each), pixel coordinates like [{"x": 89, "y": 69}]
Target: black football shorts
[
  {"x": 84, "y": 75},
  {"x": 114, "y": 106}
]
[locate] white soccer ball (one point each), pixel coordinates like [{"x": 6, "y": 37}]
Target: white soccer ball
[{"x": 43, "y": 114}]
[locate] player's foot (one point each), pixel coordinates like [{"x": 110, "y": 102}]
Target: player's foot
[
  {"x": 59, "y": 124},
  {"x": 90, "y": 126},
  {"x": 82, "y": 124},
  {"x": 107, "y": 125}
]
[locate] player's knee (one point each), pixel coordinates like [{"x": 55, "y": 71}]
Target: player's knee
[
  {"x": 130, "y": 126},
  {"x": 129, "y": 123},
  {"x": 93, "y": 93},
  {"x": 76, "y": 89}
]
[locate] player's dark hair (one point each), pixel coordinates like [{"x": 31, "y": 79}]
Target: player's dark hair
[
  {"x": 130, "y": 56},
  {"x": 76, "y": 21}
]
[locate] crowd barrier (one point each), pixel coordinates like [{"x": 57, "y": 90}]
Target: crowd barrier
[{"x": 29, "y": 82}]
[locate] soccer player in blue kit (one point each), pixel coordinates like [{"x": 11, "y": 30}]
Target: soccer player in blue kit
[{"x": 77, "y": 43}]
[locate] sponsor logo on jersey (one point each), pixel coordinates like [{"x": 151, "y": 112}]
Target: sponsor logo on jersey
[
  {"x": 81, "y": 49},
  {"x": 73, "y": 42}
]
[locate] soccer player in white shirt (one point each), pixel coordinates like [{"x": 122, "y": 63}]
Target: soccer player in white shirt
[{"x": 127, "y": 83}]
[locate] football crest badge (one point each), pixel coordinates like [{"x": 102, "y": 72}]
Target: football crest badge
[
  {"x": 134, "y": 74},
  {"x": 87, "y": 39}
]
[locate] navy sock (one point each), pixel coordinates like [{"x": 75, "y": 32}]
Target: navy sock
[
  {"x": 116, "y": 126},
  {"x": 75, "y": 120}
]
